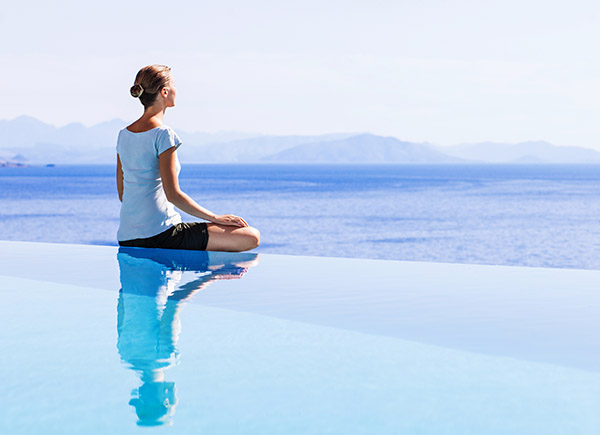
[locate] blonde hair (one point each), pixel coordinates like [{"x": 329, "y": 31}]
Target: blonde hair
[{"x": 148, "y": 83}]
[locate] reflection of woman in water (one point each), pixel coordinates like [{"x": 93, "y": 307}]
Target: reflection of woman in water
[
  {"x": 148, "y": 181},
  {"x": 154, "y": 284}
]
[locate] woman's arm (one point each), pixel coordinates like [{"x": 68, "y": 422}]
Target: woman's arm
[
  {"x": 167, "y": 163},
  {"x": 119, "y": 179}
]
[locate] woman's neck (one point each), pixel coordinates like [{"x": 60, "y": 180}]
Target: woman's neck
[
  {"x": 154, "y": 115},
  {"x": 152, "y": 118}
]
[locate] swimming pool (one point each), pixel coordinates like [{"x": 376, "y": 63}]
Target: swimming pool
[{"x": 102, "y": 340}]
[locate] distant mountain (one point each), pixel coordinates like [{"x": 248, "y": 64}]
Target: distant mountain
[
  {"x": 199, "y": 138},
  {"x": 362, "y": 148},
  {"x": 26, "y": 140},
  {"x": 252, "y": 150},
  {"x": 27, "y": 132},
  {"x": 523, "y": 152}
]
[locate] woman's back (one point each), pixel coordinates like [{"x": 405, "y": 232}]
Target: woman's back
[
  {"x": 148, "y": 181},
  {"x": 145, "y": 211}
]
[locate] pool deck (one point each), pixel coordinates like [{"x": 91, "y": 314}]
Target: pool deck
[{"x": 292, "y": 344}]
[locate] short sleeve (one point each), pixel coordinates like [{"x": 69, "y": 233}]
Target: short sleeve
[{"x": 166, "y": 139}]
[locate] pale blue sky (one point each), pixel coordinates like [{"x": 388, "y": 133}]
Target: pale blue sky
[{"x": 440, "y": 71}]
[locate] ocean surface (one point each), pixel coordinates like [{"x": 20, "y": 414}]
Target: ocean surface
[{"x": 526, "y": 215}]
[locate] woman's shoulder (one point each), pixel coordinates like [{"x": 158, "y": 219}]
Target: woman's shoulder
[
  {"x": 129, "y": 133},
  {"x": 143, "y": 129},
  {"x": 162, "y": 136},
  {"x": 165, "y": 128},
  {"x": 140, "y": 126}
]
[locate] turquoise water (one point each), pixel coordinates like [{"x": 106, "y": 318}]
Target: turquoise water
[{"x": 98, "y": 340}]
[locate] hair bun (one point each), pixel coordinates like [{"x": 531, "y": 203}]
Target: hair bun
[{"x": 136, "y": 90}]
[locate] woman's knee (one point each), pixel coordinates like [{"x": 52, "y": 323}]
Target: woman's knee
[
  {"x": 247, "y": 238},
  {"x": 234, "y": 239},
  {"x": 253, "y": 237}
]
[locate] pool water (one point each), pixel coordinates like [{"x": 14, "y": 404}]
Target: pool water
[{"x": 107, "y": 340}]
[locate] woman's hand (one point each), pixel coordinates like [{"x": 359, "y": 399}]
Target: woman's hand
[{"x": 229, "y": 219}]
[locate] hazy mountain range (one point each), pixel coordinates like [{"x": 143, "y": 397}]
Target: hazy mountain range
[{"x": 28, "y": 140}]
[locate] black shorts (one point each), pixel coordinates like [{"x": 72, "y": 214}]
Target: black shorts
[{"x": 191, "y": 236}]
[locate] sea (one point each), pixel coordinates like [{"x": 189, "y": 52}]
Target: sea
[{"x": 520, "y": 215}]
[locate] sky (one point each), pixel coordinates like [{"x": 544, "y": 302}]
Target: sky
[{"x": 444, "y": 72}]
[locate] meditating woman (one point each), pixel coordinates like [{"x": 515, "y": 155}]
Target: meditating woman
[{"x": 148, "y": 184}]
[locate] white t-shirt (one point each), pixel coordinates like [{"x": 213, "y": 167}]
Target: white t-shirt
[{"x": 145, "y": 211}]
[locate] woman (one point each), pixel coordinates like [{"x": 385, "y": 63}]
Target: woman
[{"x": 148, "y": 184}]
